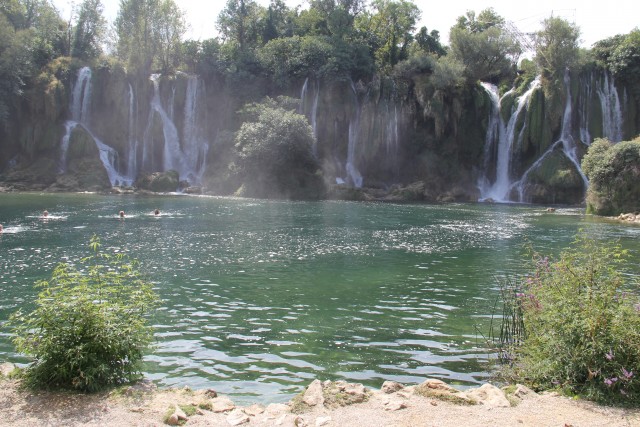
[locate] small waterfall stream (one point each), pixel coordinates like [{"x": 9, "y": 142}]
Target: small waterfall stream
[
  {"x": 80, "y": 103},
  {"x": 353, "y": 175}
]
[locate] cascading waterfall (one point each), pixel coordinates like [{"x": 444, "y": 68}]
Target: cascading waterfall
[
  {"x": 353, "y": 175},
  {"x": 495, "y": 130},
  {"x": 80, "y": 103},
  {"x": 567, "y": 141},
  {"x": 188, "y": 159},
  {"x": 505, "y": 136},
  {"x": 611, "y": 109}
]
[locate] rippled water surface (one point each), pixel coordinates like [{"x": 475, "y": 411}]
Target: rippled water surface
[{"x": 260, "y": 297}]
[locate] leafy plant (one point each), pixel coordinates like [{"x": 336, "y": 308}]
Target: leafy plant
[
  {"x": 582, "y": 325},
  {"x": 88, "y": 330}
]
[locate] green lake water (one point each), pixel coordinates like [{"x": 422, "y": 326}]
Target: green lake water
[{"x": 261, "y": 297}]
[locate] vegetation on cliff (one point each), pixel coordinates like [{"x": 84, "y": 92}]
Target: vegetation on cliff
[
  {"x": 372, "y": 52},
  {"x": 614, "y": 177}
]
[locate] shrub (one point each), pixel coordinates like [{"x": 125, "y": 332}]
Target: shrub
[
  {"x": 88, "y": 330},
  {"x": 614, "y": 175},
  {"x": 582, "y": 326}
]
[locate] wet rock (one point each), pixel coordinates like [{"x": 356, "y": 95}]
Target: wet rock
[
  {"x": 237, "y": 417},
  {"x": 160, "y": 182},
  {"x": 389, "y": 387},
  {"x": 222, "y": 404},
  {"x": 313, "y": 395},
  {"x": 489, "y": 396}
]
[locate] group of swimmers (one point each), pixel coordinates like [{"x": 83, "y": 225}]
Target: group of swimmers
[{"x": 45, "y": 214}]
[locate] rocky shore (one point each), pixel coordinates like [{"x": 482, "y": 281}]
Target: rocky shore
[{"x": 431, "y": 403}]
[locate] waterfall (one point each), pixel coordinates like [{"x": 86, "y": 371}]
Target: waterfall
[
  {"x": 186, "y": 156},
  {"x": 567, "y": 141},
  {"x": 132, "y": 158},
  {"x": 353, "y": 175},
  {"x": 611, "y": 109},
  {"x": 585, "y": 110},
  {"x": 80, "y": 104},
  {"x": 505, "y": 136},
  {"x": 495, "y": 130},
  {"x": 313, "y": 112}
]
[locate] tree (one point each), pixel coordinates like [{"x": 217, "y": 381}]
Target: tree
[
  {"x": 89, "y": 31},
  {"x": 275, "y": 156},
  {"x": 556, "y": 47},
  {"x": 430, "y": 42},
  {"x": 238, "y": 23},
  {"x": 391, "y": 28},
  {"x": 170, "y": 28},
  {"x": 486, "y": 50},
  {"x": 149, "y": 34}
]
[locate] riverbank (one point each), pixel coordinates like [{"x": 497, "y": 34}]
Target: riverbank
[{"x": 322, "y": 404}]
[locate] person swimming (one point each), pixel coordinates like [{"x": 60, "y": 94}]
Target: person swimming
[
  {"x": 1, "y": 228},
  {"x": 121, "y": 214},
  {"x": 156, "y": 212},
  {"x": 45, "y": 213}
]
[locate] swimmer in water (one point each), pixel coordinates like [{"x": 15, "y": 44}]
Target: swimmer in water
[
  {"x": 121, "y": 214},
  {"x": 0, "y": 228},
  {"x": 45, "y": 213},
  {"x": 156, "y": 212}
]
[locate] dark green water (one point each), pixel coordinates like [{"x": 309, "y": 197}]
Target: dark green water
[{"x": 260, "y": 297}]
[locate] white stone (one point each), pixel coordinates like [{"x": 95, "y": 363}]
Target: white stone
[
  {"x": 322, "y": 421},
  {"x": 237, "y": 417},
  {"x": 489, "y": 396},
  {"x": 222, "y": 404},
  {"x": 313, "y": 395},
  {"x": 254, "y": 410}
]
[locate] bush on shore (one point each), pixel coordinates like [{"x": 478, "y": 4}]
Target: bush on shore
[
  {"x": 581, "y": 321},
  {"x": 88, "y": 329}
]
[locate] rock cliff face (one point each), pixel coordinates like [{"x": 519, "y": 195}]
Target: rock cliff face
[{"x": 459, "y": 143}]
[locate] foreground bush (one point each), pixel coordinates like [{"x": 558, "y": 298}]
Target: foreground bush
[
  {"x": 88, "y": 330},
  {"x": 614, "y": 177},
  {"x": 581, "y": 325}
]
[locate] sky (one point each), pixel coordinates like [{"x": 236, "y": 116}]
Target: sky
[{"x": 596, "y": 20}]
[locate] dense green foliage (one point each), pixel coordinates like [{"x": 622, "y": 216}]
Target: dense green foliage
[
  {"x": 614, "y": 177},
  {"x": 88, "y": 329},
  {"x": 556, "y": 47},
  {"x": 275, "y": 152},
  {"x": 582, "y": 325}
]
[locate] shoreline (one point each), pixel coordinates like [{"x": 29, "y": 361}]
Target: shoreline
[{"x": 432, "y": 402}]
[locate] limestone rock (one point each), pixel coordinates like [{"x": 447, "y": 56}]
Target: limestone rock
[
  {"x": 394, "y": 405},
  {"x": 322, "y": 421},
  {"x": 222, "y": 404},
  {"x": 211, "y": 393},
  {"x": 180, "y": 413},
  {"x": 254, "y": 410},
  {"x": 389, "y": 387},
  {"x": 6, "y": 368},
  {"x": 276, "y": 410},
  {"x": 237, "y": 417},
  {"x": 522, "y": 391},
  {"x": 313, "y": 395},
  {"x": 173, "y": 420},
  {"x": 489, "y": 396}
]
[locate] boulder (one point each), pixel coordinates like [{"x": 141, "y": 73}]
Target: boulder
[
  {"x": 159, "y": 182},
  {"x": 489, "y": 396},
  {"x": 237, "y": 417},
  {"x": 222, "y": 404},
  {"x": 389, "y": 387},
  {"x": 313, "y": 396}
]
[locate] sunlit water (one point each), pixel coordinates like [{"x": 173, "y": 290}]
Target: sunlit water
[{"x": 261, "y": 297}]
